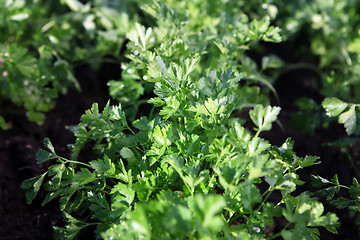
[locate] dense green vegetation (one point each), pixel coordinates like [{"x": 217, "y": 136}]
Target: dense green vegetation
[{"x": 187, "y": 166}]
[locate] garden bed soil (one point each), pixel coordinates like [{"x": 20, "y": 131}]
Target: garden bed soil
[{"x": 18, "y": 147}]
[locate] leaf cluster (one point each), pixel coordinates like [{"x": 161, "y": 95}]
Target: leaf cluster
[
  {"x": 190, "y": 169},
  {"x": 42, "y": 42},
  {"x": 180, "y": 33},
  {"x": 334, "y": 42},
  {"x": 191, "y": 172}
]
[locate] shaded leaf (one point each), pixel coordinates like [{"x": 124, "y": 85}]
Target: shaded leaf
[
  {"x": 43, "y": 156},
  {"x": 32, "y": 186},
  {"x": 334, "y": 106},
  {"x": 348, "y": 118}
]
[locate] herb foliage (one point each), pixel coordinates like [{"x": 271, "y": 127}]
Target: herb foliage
[
  {"x": 189, "y": 169},
  {"x": 42, "y": 42}
]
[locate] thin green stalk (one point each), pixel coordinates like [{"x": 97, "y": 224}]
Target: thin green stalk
[
  {"x": 257, "y": 133},
  {"x": 279, "y": 233},
  {"x": 296, "y": 66},
  {"x": 268, "y": 193},
  {"x": 76, "y": 162},
  {"x": 151, "y": 113},
  {"x": 344, "y": 186},
  {"x": 236, "y": 216},
  {"x": 348, "y": 155},
  {"x": 127, "y": 126}
]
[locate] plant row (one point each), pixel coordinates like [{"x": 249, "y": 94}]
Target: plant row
[{"x": 185, "y": 166}]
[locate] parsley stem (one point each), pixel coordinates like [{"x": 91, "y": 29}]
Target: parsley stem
[
  {"x": 127, "y": 126},
  {"x": 77, "y": 162},
  {"x": 279, "y": 233},
  {"x": 151, "y": 113},
  {"x": 236, "y": 216},
  {"x": 302, "y": 65},
  {"x": 268, "y": 193},
  {"x": 348, "y": 155},
  {"x": 343, "y": 186},
  {"x": 257, "y": 133}
]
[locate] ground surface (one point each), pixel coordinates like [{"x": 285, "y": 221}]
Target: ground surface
[{"x": 19, "y": 145}]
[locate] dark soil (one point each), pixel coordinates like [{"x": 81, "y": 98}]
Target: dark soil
[{"x": 19, "y": 145}]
